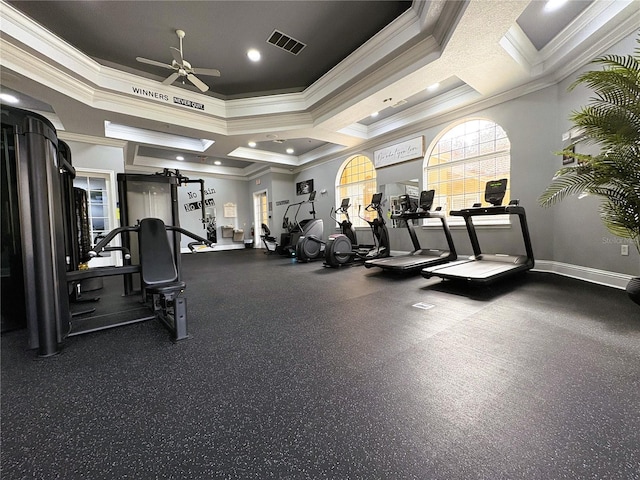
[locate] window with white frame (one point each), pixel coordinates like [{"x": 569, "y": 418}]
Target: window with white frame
[
  {"x": 462, "y": 160},
  {"x": 356, "y": 180}
]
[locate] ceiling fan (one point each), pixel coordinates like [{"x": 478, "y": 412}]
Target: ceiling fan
[{"x": 182, "y": 68}]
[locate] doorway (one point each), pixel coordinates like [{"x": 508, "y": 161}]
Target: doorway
[
  {"x": 260, "y": 215},
  {"x": 101, "y": 196}
]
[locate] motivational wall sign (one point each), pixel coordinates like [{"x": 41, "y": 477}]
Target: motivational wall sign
[
  {"x": 401, "y": 152},
  {"x": 142, "y": 92}
]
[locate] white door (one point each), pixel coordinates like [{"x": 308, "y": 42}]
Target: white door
[{"x": 260, "y": 216}]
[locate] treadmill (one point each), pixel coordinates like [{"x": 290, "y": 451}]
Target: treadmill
[
  {"x": 420, "y": 257},
  {"x": 483, "y": 268}
]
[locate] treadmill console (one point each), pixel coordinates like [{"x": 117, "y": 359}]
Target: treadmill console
[
  {"x": 408, "y": 203},
  {"x": 494, "y": 191},
  {"x": 426, "y": 199}
]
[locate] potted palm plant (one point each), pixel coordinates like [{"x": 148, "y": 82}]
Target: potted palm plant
[{"x": 612, "y": 122}]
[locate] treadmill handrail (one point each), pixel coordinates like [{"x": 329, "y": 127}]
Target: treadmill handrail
[
  {"x": 498, "y": 210},
  {"x": 416, "y": 215}
]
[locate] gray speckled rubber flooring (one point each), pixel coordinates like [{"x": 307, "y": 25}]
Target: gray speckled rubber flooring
[{"x": 295, "y": 371}]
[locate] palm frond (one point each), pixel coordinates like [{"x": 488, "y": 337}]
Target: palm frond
[
  {"x": 566, "y": 182},
  {"x": 612, "y": 121}
]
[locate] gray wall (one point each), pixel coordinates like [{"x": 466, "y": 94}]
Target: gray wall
[
  {"x": 532, "y": 124},
  {"x": 279, "y": 190},
  {"x": 579, "y": 236},
  {"x": 324, "y": 179},
  {"x": 226, "y": 191}
]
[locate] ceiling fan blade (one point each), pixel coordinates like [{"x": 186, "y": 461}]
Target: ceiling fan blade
[
  {"x": 177, "y": 55},
  {"x": 213, "y": 72},
  {"x": 154, "y": 63},
  {"x": 197, "y": 82},
  {"x": 171, "y": 78}
]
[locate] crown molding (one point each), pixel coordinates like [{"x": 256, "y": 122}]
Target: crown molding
[
  {"x": 265, "y": 170},
  {"x": 589, "y": 28},
  {"x": 266, "y": 124},
  {"x": 516, "y": 43},
  {"x": 356, "y": 130},
  {"x": 152, "y": 165},
  {"x": 454, "y": 99},
  {"x": 23, "y": 62},
  {"x": 20, "y": 27},
  {"x": 264, "y": 156},
  {"x": 373, "y": 85},
  {"x": 598, "y": 27},
  {"x": 92, "y": 140},
  {"x": 392, "y": 37},
  {"x": 140, "y": 135},
  {"x": 320, "y": 152},
  {"x": 448, "y": 19}
]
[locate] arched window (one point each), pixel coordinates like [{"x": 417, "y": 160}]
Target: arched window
[
  {"x": 356, "y": 180},
  {"x": 463, "y": 159}
]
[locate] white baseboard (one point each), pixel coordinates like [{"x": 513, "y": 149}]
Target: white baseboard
[{"x": 593, "y": 275}]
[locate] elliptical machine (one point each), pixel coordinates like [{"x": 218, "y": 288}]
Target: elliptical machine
[
  {"x": 343, "y": 249},
  {"x": 296, "y": 229},
  {"x": 310, "y": 244}
]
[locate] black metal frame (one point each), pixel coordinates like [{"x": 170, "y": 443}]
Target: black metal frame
[
  {"x": 166, "y": 303},
  {"x": 505, "y": 265},
  {"x": 469, "y": 213},
  {"x": 419, "y": 258},
  {"x": 123, "y": 180},
  {"x": 38, "y": 167}
]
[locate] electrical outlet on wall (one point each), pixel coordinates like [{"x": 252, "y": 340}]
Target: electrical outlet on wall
[{"x": 624, "y": 249}]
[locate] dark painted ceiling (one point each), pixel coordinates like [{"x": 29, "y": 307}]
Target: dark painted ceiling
[{"x": 218, "y": 35}]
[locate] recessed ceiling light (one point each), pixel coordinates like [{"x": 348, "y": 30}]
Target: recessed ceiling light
[
  {"x": 5, "y": 97},
  {"x": 179, "y": 157},
  {"x": 374, "y": 114},
  {"x": 217, "y": 162},
  {"x": 290, "y": 151},
  {"x": 552, "y": 5},
  {"x": 254, "y": 55},
  {"x": 433, "y": 87},
  {"x": 252, "y": 144}
]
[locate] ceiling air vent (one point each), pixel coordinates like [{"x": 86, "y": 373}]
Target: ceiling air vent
[{"x": 285, "y": 42}]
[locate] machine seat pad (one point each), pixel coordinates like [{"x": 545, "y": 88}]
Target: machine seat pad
[{"x": 163, "y": 289}]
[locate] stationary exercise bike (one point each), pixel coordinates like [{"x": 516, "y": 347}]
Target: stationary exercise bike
[{"x": 343, "y": 249}]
